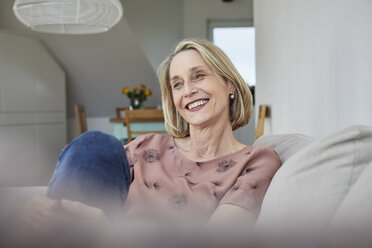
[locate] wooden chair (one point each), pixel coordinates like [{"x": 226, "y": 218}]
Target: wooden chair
[
  {"x": 81, "y": 119},
  {"x": 262, "y": 114},
  {"x": 119, "y": 112},
  {"x": 142, "y": 115}
]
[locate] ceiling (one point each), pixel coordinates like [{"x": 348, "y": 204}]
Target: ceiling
[{"x": 97, "y": 66}]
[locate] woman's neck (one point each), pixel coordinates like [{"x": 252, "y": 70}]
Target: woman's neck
[{"x": 209, "y": 142}]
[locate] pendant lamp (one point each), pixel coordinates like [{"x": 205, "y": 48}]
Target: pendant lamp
[{"x": 68, "y": 16}]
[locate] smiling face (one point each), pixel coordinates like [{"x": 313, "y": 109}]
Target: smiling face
[{"x": 199, "y": 94}]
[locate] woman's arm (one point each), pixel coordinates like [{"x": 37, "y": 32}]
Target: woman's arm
[
  {"x": 231, "y": 216},
  {"x": 241, "y": 205}
]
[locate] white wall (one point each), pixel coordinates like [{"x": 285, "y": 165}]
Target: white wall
[
  {"x": 32, "y": 111},
  {"x": 157, "y": 26},
  {"x": 196, "y": 14},
  {"x": 314, "y": 64}
]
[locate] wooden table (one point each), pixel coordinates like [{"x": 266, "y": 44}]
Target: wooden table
[
  {"x": 143, "y": 123},
  {"x": 120, "y": 119},
  {"x": 147, "y": 119}
]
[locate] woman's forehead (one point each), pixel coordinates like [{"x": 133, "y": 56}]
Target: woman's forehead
[{"x": 186, "y": 60}]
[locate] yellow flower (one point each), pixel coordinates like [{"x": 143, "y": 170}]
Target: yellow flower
[
  {"x": 135, "y": 88},
  {"x": 125, "y": 90},
  {"x": 148, "y": 92}
]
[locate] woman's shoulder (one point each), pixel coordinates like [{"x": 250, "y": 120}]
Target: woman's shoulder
[
  {"x": 254, "y": 151},
  {"x": 154, "y": 137},
  {"x": 150, "y": 140},
  {"x": 262, "y": 150},
  {"x": 265, "y": 155}
]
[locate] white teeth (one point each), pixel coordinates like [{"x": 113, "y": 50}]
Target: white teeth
[{"x": 196, "y": 104}]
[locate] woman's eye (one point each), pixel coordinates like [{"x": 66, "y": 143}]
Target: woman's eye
[
  {"x": 199, "y": 75},
  {"x": 177, "y": 85}
]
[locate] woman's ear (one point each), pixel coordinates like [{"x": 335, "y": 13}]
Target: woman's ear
[{"x": 230, "y": 87}]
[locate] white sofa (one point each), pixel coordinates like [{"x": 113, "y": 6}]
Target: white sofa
[{"x": 322, "y": 182}]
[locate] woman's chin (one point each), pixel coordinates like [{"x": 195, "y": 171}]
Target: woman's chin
[{"x": 201, "y": 123}]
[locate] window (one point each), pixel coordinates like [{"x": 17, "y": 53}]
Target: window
[{"x": 237, "y": 40}]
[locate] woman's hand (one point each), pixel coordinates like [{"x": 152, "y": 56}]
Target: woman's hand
[
  {"x": 35, "y": 216},
  {"x": 82, "y": 225},
  {"x": 46, "y": 219},
  {"x": 88, "y": 215}
]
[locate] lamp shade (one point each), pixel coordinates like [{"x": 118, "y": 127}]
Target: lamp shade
[{"x": 68, "y": 16}]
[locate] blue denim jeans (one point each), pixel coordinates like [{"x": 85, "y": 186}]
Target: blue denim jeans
[{"x": 94, "y": 170}]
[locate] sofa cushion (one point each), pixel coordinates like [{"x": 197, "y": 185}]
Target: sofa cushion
[
  {"x": 310, "y": 186},
  {"x": 285, "y": 145},
  {"x": 355, "y": 210}
]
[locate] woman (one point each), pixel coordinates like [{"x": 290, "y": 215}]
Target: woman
[{"x": 199, "y": 170}]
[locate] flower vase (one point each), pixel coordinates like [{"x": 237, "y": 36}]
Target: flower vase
[{"x": 135, "y": 103}]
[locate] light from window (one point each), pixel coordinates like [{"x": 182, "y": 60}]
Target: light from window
[{"x": 239, "y": 45}]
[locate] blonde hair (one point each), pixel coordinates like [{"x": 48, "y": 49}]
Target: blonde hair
[{"x": 216, "y": 59}]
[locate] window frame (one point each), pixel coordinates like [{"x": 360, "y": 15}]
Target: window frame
[{"x": 223, "y": 23}]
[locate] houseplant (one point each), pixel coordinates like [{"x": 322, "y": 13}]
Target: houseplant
[{"x": 137, "y": 96}]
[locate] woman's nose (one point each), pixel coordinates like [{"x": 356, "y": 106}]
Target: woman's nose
[{"x": 190, "y": 89}]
